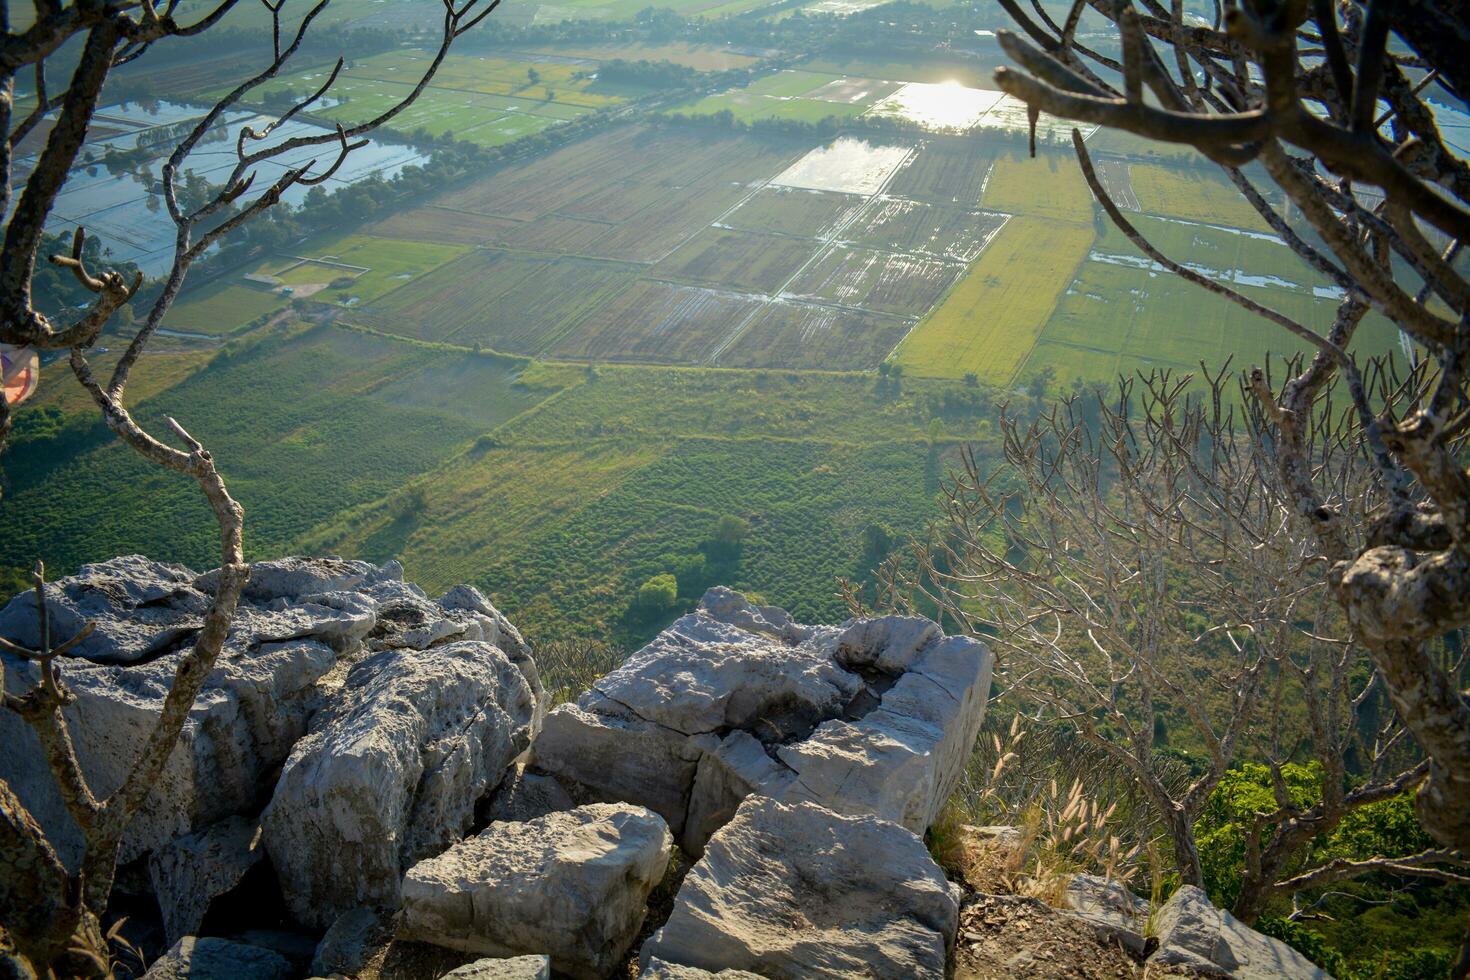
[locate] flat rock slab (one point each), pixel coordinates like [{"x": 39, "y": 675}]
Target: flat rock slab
[
  {"x": 873, "y": 717},
  {"x": 1111, "y": 909},
  {"x": 657, "y": 969},
  {"x": 795, "y": 890},
  {"x": 512, "y": 968},
  {"x": 219, "y": 959},
  {"x": 1196, "y": 935},
  {"x": 573, "y": 885},
  {"x": 391, "y": 773},
  {"x": 349, "y": 942}
]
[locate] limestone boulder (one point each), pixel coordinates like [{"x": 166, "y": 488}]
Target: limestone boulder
[
  {"x": 1111, "y": 908},
  {"x": 657, "y": 969},
  {"x": 350, "y": 941},
  {"x": 525, "y": 795},
  {"x": 391, "y": 773},
  {"x": 1195, "y": 935},
  {"x": 573, "y": 885},
  {"x": 253, "y": 707},
  {"x": 218, "y": 959},
  {"x": 511, "y": 968},
  {"x": 796, "y": 890},
  {"x": 874, "y": 717},
  {"x": 138, "y": 609},
  {"x": 191, "y": 871}
]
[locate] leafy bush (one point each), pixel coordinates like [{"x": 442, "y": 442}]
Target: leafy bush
[{"x": 658, "y": 594}]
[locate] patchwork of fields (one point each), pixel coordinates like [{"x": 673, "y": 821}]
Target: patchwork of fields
[
  {"x": 484, "y": 100},
  {"x": 685, "y": 246},
  {"x": 511, "y": 381},
  {"x": 937, "y": 101},
  {"x": 679, "y": 244}
]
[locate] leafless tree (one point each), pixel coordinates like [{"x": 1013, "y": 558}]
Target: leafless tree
[
  {"x": 51, "y": 913},
  {"x": 1296, "y": 85},
  {"x": 1137, "y": 557}
]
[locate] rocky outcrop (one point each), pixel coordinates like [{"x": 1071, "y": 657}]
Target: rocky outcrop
[
  {"x": 795, "y": 890},
  {"x": 253, "y": 707},
  {"x": 874, "y": 717},
  {"x": 414, "y": 705},
  {"x": 525, "y": 795},
  {"x": 391, "y": 772},
  {"x": 573, "y": 885},
  {"x": 656, "y": 969},
  {"x": 1195, "y": 935},
  {"x": 219, "y": 959},
  {"x": 191, "y": 871}
]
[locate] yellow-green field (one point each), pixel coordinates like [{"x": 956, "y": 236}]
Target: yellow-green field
[
  {"x": 222, "y": 306},
  {"x": 700, "y": 57},
  {"x": 1196, "y": 194},
  {"x": 989, "y": 322},
  {"x": 1049, "y": 186}
]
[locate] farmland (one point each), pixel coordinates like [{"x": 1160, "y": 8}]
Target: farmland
[
  {"x": 569, "y": 507},
  {"x": 1194, "y": 195},
  {"x": 749, "y": 251},
  {"x": 989, "y": 322},
  {"x": 334, "y": 421},
  {"x": 706, "y": 305},
  {"x": 1049, "y": 186}
]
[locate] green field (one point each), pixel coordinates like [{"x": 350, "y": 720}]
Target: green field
[
  {"x": 1196, "y": 194},
  {"x": 989, "y": 322},
  {"x": 799, "y": 95},
  {"x": 339, "y": 420},
  {"x": 222, "y": 306},
  {"x": 1049, "y": 186},
  {"x": 623, "y": 476},
  {"x": 1115, "y": 319}
]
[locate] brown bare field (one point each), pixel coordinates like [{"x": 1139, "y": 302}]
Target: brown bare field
[
  {"x": 514, "y": 303},
  {"x": 794, "y": 211},
  {"x": 437, "y": 224},
  {"x": 654, "y": 158},
  {"x": 945, "y": 171},
  {"x": 877, "y": 281},
  {"x": 677, "y": 215},
  {"x": 799, "y": 335},
  {"x": 737, "y": 259},
  {"x": 659, "y": 322}
]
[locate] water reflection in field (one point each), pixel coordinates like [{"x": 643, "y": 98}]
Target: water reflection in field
[
  {"x": 852, "y": 166},
  {"x": 122, "y": 206}
]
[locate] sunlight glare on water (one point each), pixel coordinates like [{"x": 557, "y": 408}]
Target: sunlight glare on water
[{"x": 942, "y": 105}]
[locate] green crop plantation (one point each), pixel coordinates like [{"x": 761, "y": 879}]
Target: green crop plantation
[
  {"x": 989, "y": 322},
  {"x": 336, "y": 419},
  {"x": 1049, "y": 186},
  {"x": 223, "y": 306},
  {"x": 1195, "y": 195},
  {"x": 588, "y": 494}
]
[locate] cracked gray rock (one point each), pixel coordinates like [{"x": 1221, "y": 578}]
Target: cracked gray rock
[
  {"x": 795, "y": 891},
  {"x": 301, "y": 624},
  {"x": 873, "y": 717},
  {"x": 191, "y": 871},
  {"x": 391, "y": 772},
  {"x": 1195, "y": 935},
  {"x": 573, "y": 885}
]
